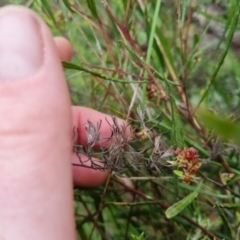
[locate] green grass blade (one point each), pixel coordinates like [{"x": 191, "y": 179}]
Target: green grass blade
[
  {"x": 130, "y": 51},
  {"x": 228, "y": 205},
  {"x": 49, "y": 10},
  {"x": 178, "y": 207},
  {"x": 136, "y": 57},
  {"x": 226, "y": 227},
  {"x": 152, "y": 32},
  {"x": 184, "y": 11},
  {"x": 68, "y": 5},
  {"x": 164, "y": 41},
  {"x": 233, "y": 27},
  {"x": 152, "y": 25},
  {"x": 177, "y": 133},
  {"x": 92, "y": 6},
  {"x": 68, "y": 65}
]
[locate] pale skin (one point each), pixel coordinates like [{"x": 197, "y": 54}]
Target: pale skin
[{"x": 36, "y": 124}]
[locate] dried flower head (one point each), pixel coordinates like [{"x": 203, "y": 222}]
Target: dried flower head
[
  {"x": 152, "y": 91},
  {"x": 116, "y": 151},
  {"x": 155, "y": 93}
]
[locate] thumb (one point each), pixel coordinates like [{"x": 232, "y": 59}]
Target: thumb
[{"x": 35, "y": 132}]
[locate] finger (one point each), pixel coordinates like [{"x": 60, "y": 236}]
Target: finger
[
  {"x": 64, "y": 48},
  {"x": 35, "y": 132},
  {"x": 82, "y": 116},
  {"x": 87, "y": 177}
]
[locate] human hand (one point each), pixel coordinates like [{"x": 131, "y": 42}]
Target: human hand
[{"x": 36, "y": 124}]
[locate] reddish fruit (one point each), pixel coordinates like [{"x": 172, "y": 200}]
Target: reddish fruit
[
  {"x": 190, "y": 153},
  {"x": 186, "y": 179}
]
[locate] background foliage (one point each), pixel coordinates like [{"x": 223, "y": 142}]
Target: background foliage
[{"x": 177, "y": 62}]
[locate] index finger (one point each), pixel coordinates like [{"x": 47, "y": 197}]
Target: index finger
[
  {"x": 83, "y": 174},
  {"x": 90, "y": 123}
]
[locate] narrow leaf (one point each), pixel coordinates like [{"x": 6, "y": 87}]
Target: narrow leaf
[
  {"x": 132, "y": 53},
  {"x": 48, "y": 9},
  {"x": 177, "y": 133},
  {"x": 153, "y": 29},
  {"x": 68, "y": 5},
  {"x": 92, "y": 6},
  {"x": 226, "y": 128},
  {"x": 228, "y": 205},
  {"x": 178, "y": 173},
  {"x": 140, "y": 59},
  {"x": 178, "y": 207},
  {"x": 68, "y": 65},
  {"x": 226, "y": 227}
]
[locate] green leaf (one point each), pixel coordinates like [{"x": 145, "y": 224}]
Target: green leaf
[
  {"x": 226, "y": 128},
  {"x": 92, "y": 6},
  {"x": 178, "y": 207},
  {"x": 178, "y": 173},
  {"x": 226, "y": 228}
]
